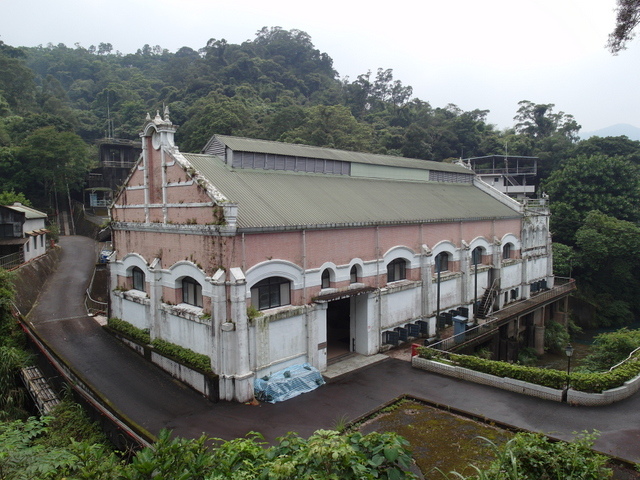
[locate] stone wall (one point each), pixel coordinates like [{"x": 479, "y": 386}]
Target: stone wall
[{"x": 31, "y": 277}]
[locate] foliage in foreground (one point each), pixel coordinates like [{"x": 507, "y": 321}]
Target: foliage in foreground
[
  {"x": 325, "y": 455},
  {"x": 610, "y": 349},
  {"x": 529, "y": 456}
]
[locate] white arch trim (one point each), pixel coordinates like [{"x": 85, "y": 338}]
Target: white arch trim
[
  {"x": 401, "y": 251},
  {"x": 512, "y": 239},
  {"x": 481, "y": 242},
  {"x": 131, "y": 260},
  {"x": 182, "y": 269},
  {"x": 275, "y": 268},
  {"x": 446, "y": 246}
]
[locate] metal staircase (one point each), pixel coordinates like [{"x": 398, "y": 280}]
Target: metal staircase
[{"x": 487, "y": 300}]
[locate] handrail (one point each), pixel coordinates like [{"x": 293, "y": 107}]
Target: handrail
[
  {"x": 12, "y": 260},
  {"x": 498, "y": 318},
  {"x": 96, "y": 306}
]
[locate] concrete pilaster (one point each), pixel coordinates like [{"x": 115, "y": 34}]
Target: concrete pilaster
[{"x": 154, "y": 275}]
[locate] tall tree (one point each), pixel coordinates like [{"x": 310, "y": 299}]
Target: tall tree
[
  {"x": 627, "y": 19},
  {"x": 540, "y": 121},
  {"x": 52, "y": 161}
]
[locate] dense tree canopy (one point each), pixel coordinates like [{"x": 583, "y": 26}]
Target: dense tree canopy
[
  {"x": 598, "y": 182},
  {"x": 55, "y": 100}
]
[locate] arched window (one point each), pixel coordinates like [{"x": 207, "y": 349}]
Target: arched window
[
  {"x": 137, "y": 276},
  {"x": 476, "y": 256},
  {"x": 506, "y": 251},
  {"x": 191, "y": 292},
  {"x": 271, "y": 292},
  {"x": 326, "y": 278},
  {"x": 442, "y": 262},
  {"x": 353, "y": 274},
  {"x": 397, "y": 270}
]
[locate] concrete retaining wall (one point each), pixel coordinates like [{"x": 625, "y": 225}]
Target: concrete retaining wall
[
  {"x": 573, "y": 397},
  {"x": 204, "y": 383},
  {"x": 31, "y": 277}
]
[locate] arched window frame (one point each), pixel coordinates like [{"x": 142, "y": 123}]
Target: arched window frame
[
  {"x": 397, "y": 270},
  {"x": 191, "y": 292},
  {"x": 325, "y": 279},
  {"x": 138, "y": 279},
  {"x": 476, "y": 255},
  {"x": 507, "y": 250},
  {"x": 271, "y": 292},
  {"x": 442, "y": 262},
  {"x": 353, "y": 274}
]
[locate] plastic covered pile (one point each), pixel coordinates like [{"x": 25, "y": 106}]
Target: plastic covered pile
[{"x": 287, "y": 383}]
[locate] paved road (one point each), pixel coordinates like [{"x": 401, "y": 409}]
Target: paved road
[{"x": 155, "y": 401}]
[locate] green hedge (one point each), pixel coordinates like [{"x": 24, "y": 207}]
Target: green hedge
[
  {"x": 184, "y": 355},
  {"x": 584, "y": 382},
  {"x": 180, "y": 354},
  {"x": 137, "y": 334}
]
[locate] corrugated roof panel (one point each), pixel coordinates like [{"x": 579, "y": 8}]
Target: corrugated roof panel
[
  {"x": 293, "y": 149},
  {"x": 288, "y": 199}
]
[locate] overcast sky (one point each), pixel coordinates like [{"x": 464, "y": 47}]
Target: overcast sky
[{"x": 476, "y": 54}]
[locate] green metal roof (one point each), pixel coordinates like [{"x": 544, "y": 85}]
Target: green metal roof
[
  {"x": 283, "y": 200},
  {"x": 297, "y": 150}
]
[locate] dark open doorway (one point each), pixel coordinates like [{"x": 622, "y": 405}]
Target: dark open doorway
[{"x": 339, "y": 328}]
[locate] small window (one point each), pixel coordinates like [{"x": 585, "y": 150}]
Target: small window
[
  {"x": 26, "y": 246},
  {"x": 137, "y": 276},
  {"x": 506, "y": 251},
  {"x": 271, "y": 292},
  {"x": 42, "y": 240},
  {"x": 397, "y": 270},
  {"x": 35, "y": 243},
  {"x": 191, "y": 292},
  {"x": 353, "y": 274},
  {"x": 326, "y": 279},
  {"x": 476, "y": 256},
  {"x": 442, "y": 262}
]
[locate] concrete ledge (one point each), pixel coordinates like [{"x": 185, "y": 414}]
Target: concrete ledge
[
  {"x": 205, "y": 383},
  {"x": 574, "y": 397}
]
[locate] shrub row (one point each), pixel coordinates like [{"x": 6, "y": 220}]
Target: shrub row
[
  {"x": 137, "y": 334},
  {"x": 183, "y": 355},
  {"x": 584, "y": 382}
]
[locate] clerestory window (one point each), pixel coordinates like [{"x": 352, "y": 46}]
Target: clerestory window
[
  {"x": 271, "y": 292},
  {"x": 137, "y": 276},
  {"x": 397, "y": 270},
  {"x": 191, "y": 292}
]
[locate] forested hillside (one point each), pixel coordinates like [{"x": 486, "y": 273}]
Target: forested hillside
[{"x": 56, "y": 101}]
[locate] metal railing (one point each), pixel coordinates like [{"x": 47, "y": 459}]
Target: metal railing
[
  {"x": 499, "y": 318},
  {"x": 506, "y": 171},
  {"x": 484, "y": 329},
  {"x": 94, "y": 307},
  {"x": 117, "y": 164},
  {"x": 12, "y": 260}
]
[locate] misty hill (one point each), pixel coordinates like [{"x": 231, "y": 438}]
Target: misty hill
[{"x": 633, "y": 133}]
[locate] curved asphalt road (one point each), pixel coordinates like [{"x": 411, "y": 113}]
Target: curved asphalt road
[{"x": 154, "y": 400}]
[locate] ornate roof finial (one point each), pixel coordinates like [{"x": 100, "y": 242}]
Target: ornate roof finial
[
  {"x": 166, "y": 114},
  {"x": 158, "y": 117},
  {"x": 148, "y": 116}
]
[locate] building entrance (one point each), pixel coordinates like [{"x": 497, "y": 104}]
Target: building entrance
[{"x": 339, "y": 328}]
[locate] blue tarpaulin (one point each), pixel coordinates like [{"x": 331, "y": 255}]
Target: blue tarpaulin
[{"x": 288, "y": 383}]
